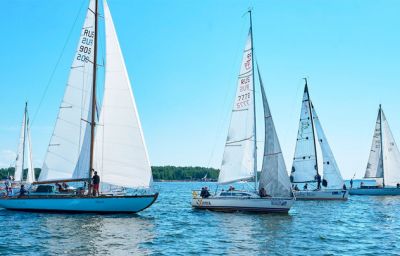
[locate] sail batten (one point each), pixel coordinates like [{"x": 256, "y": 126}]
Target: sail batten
[{"x": 238, "y": 159}]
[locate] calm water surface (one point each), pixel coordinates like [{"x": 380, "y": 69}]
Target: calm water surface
[{"x": 360, "y": 226}]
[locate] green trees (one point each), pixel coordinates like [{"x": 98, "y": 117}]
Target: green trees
[{"x": 159, "y": 173}]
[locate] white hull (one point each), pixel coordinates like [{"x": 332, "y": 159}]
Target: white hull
[
  {"x": 233, "y": 204},
  {"x": 375, "y": 191},
  {"x": 102, "y": 204},
  {"x": 333, "y": 194}
]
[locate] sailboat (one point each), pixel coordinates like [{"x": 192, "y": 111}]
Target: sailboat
[
  {"x": 24, "y": 153},
  {"x": 383, "y": 164},
  {"x": 113, "y": 145},
  {"x": 305, "y": 169},
  {"x": 273, "y": 192}
]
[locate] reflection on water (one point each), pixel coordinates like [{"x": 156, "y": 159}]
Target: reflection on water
[{"x": 362, "y": 225}]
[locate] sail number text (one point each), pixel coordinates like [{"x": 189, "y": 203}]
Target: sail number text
[{"x": 85, "y": 48}]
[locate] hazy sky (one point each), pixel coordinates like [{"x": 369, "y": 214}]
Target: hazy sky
[{"x": 183, "y": 58}]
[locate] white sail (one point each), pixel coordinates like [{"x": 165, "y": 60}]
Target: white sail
[
  {"x": 375, "y": 161},
  {"x": 68, "y": 151},
  {"x": 305, "y": 166},
  {"x": 331, "y": 172},
  {"x": 391, "y": 155},
  {"x": 121, "y": 153},
  {"x": 19, "y": 163},
  {"x": 30, "y": 176},
  {"x": 238, "y": 159},
  {"x": 274, "y": 177}
]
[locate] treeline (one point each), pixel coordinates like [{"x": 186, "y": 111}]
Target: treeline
[
  {"x": 6, "y": 172},
  {"x": 159, "y": 173},
  {"x": 184, "y": 173}
]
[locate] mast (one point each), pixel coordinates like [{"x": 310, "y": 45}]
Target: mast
[
  {"x": 23, "y": 143},
  {"x": 93, "y": 114},
  {"x": 312, "y": 125},
  {"x": 254, "y": 103},
  {"x": 381, "y": 137}
]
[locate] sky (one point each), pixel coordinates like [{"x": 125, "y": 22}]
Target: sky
[{"x": 183, "y": 58}]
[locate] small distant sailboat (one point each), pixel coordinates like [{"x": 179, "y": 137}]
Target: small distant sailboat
[
  {"x": 305, "y": 164},
  {"x": 114, "y": 146},
  {"x": 273, "y": 193},
  {"x": 383, "y": 164},
  {"x": 24, "y": 154}
]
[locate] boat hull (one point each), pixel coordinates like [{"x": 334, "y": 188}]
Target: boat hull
[
  {"x": 334, "y": 194},
  {"x": 375, "y": 191},
  {"x": 260, "y": 205},
  {"x": 67, "y": 204}
]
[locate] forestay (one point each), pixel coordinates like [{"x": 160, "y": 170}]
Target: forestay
[
  {"x": 375, "y": 161},
  {"x": 331, "y": 172},
  {"x": 238, "y": 159},
  {"x": 274, "y": 177},
  {"x": 391, "y": 155},
  {"x": 305, "y": 166},
  {"x": 121, "y": 154},
  {"x": 68, "y": 152}
]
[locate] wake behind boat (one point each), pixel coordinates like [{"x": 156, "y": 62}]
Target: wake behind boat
[
  {"x": 114, "y": 146},
  {"x": 273, "y": 193},
  {"x": 305, "y": 171},
  {"x": 383, "y": 164}
]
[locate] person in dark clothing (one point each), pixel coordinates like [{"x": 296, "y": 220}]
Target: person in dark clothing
[
  {"x": 206, "y": 193},
  {"x": 202, "y": 193},
  {"x": 344, "y": 187},
  {"x": 318, "y": 178},
  {"x": 59, "y": 187},
  {"x": 96, "y": 184},
  {"x": 351, "y": 183},
  {"x": 22, "y": 191},
  {"x": 262, "y": 192},
  {"x": 305, "y": 186}
]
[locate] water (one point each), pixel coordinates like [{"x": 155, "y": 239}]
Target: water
[{"x": 360, "y": 226}]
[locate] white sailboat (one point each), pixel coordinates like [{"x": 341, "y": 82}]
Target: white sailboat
[
  {"x": 305, "y": 163},
  {"x": 24, "y": 154},
  {"x": 383, "y": 164},
  {"x": 273, "y": 193},
  {"x": 115, "y": 149}
]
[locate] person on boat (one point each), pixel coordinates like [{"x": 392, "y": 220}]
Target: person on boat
[
  {"x": 206, "y": 193},
  {"x": 263, "y": 192},
  {"x": 351, "y": 183},
  {"x": 296, "y": 188},
  {"x": 398, "y": 185},
  {"x": 362, "y": 185},
  {"x": 202, "y": 193},
  {"x": 7, "y": 183},
  {"x": 318, "y": 178},
  {"x": 59, "y": 187},
  {"x": 22, "y": 191},
  {"x": 231, "y": 188},
  {"x": 305, "y": 186},
  {"x": 96, "y": 183},
  {"x": 65, "y": 186},
  {"x": 344, "y": 187}
]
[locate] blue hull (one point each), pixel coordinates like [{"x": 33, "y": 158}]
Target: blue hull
[{"x": 375, "y": 191}]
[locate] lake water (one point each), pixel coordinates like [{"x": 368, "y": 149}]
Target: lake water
[{"x": 361, "y": 226}]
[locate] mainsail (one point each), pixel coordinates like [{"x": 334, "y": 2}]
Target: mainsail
[
  {"x": 375, "y": 161},
  {"x": 274, "y": 178},
  {"x": 121, "y": 154},
  {"x": 24, "y": 142},
  {"x": 305, "y": 167},
  {"x": 68, "y": 151},
  {"x": 331, "y": 172},
  {"x": 238, "y": 159}
]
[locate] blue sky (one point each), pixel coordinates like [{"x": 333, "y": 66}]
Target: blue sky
[{"x": 183, "y": 58}]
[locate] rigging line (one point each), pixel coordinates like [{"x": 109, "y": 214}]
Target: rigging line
[{"x": 56, "y": 66}]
